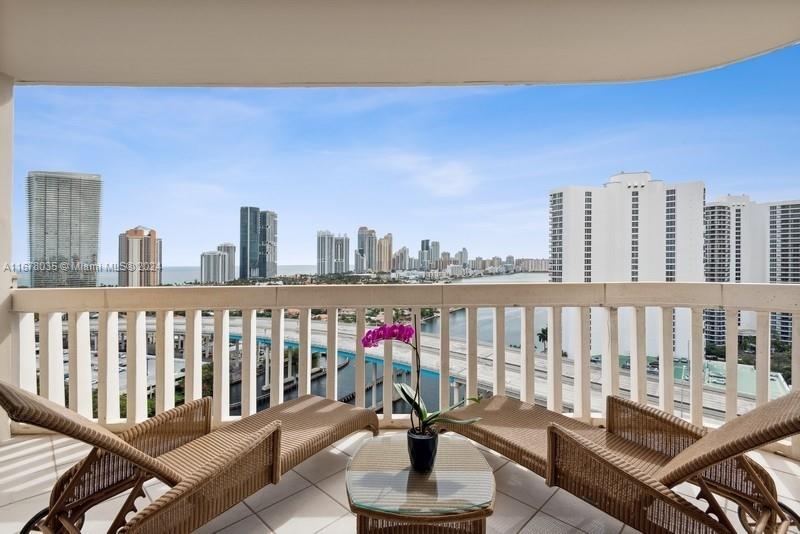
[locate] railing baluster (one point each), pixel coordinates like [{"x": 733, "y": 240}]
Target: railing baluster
[
  {"x": 610, "y": 363},
  {"x": 304, "y": 353},
  {"x": 499, "y": 350},
  {"x": 331, "y": 382},
  {"x": 554, "y": 381},
  {"x": 222, "y": 366},
  {"x": 277, "y": 358},
  {"x": 80, "y": 365},
  {"x": 193, "y": 355},
  {"x": 582, "y": 383},
  {"x": 666, "y": 363},
  {"x": 360, "y": 363},
  {"x": 696, "y": 367},
  {"x": 249, "y": 362},
  {"x": 472, "y": 352},
  {"x": 415, "y": 312},
  {"x": 136, "y": 375},
  {"x": 388, "y": 374},
  {"x": 51, "y": 357},
  {"x": 763, "y": 343},
  {"x": 444, "y": 357},
  {"x": 24, "y": 365},
  {"x": 638, "y": 371},
  {"x": 107, "y": 367},
  {"x": 165, "y": 361},
  {"x": 731, "y": 363},
  {"x": 527, "y": 356},
  {"x": 796, "y": 373}
]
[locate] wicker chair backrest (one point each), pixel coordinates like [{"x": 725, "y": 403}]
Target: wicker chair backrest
[
  {"x": 25, "y": 407},
  {"x": 775, "y": 420}
]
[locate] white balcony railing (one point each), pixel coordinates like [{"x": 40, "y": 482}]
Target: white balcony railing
[{"x": 204, "y": 314}]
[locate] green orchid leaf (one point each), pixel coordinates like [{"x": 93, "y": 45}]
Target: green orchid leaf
[{"x": 408, "y": 395}]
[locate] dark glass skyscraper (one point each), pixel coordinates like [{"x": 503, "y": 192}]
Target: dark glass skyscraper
[
  {"x": 63, "y": 228},
  {"x": 258, "y": 243}
]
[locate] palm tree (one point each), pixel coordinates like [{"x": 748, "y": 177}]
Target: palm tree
[{"x": 542, "y": 336}]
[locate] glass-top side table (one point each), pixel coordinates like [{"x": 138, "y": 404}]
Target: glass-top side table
[{"x": 387, "y": 495}]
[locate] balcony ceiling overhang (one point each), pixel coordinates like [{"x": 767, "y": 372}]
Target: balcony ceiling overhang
[{"x": 381, "y": 42}]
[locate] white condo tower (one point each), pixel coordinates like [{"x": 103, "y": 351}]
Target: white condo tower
[{"x": 631, "y": 229}]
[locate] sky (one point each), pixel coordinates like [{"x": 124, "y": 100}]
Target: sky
[{"x": 467, "y": 166}]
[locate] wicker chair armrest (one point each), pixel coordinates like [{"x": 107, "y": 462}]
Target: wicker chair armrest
[
  {"x": 171, "y": 429},
  {"x": 233, "y": 475},
  {"x": 590, "y": 472},
  {"x": 650, "y": 427}
]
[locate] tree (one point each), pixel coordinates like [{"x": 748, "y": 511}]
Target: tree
[{"x": 542, "y": 336}]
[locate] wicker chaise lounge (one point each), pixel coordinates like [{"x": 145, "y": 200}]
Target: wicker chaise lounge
[
  {"x": 630, "y": 468},
  {"x": 207, "y": 471}
]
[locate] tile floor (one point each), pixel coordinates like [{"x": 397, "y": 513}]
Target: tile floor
[{"x": 311, "y": 497}]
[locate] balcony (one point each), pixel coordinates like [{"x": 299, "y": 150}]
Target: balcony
[{"x": 244, "y": 335}]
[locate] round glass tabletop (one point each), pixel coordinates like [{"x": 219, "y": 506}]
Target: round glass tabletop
[{"x": 379, "y": 478}]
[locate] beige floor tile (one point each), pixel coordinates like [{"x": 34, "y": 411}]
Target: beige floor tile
[
  {"x": 323, "y": 464},
  {"x": 353, "y": 442},
  {"x": 25, "y": 448},
  {"x": 99, "y": 518},
  {"x": 290, "y": 484},
  {"x": 14, "y": 516},
  {"x": 545, "y": 524},
  {"x": 306, "y": 511},
  {"x": 344, "y": 525},
  {"x": 574, "y": 511},
  {"x": 509, "y": 515},
  {"x": 26, "y": 477},
  {"x": 156, "y": 490},
  {"x": 68, "y": 452},
  {"x": 249, "y": 525},
  {"x": 776, "y": 462},
  {"x": 522, "y": 484},
  {"x": 233, "y": 515},
  {"x": 494, "y": 459},
  {"x": 336, "y": 487},
  {"x": 629, "y": 530}
]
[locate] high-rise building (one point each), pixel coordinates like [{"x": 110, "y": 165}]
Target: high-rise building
[
  {"x": 631, "y": 229},
  {"x": 230, "y": 269},
  {"x": 384, "y": 254},
  {"x": 435, "y": 251},
  {"x": 366, "y": 255},
  {"x": 424, "y": 255},
  {"x": 63, "y": 228},
  {"x": 341, "y": 254},
  {"x": 462, "y": 257},
  {"x": 333, "y": 253},
  {"x": 258, "y": 243},
  {"x": 784, "y": 256},
  {"x": 139, "y": 258},
  {"x": 735, "y": 250},
  {"x": 268, "y": 247},
  {"x": 324, "y": 252},
  {"x": 400, "y": 260},
  {"x": 213, "y": 267}
]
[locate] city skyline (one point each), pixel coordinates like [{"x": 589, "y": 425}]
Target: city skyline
[{"x": 476, "y": 163}]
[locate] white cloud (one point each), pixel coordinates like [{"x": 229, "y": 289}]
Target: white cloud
[{"x": 437, "y": 177}]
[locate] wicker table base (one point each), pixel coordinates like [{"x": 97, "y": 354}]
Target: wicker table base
[
  {"x": 389, "y": 498},
  {"x": 371, "y": 525}
]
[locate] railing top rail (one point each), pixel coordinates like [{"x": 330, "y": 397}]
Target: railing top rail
[{"x": 755, "y": 297}]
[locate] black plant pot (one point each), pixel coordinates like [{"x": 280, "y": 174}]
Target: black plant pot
[{"x": 422, "y": 450}]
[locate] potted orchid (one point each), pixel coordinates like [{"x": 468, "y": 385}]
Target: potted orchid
[{"x": 422, "y": 436}]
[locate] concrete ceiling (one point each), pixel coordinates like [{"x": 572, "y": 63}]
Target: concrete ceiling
[{"x": 381, "y": 42}]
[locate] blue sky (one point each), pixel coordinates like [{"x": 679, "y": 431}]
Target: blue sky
[{"x": 468, "y": 166}]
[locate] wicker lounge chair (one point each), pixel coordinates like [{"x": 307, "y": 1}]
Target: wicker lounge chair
[
  {"x": 630, "y": 469},
  {"x": 208, "y": 471}
]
